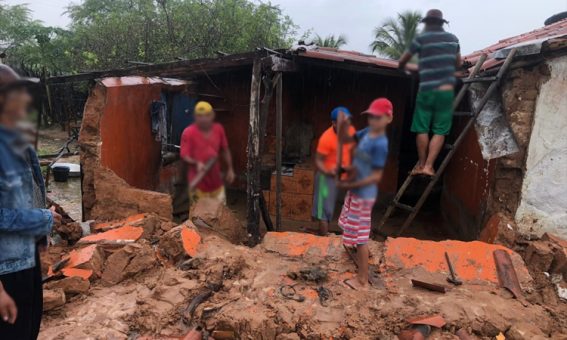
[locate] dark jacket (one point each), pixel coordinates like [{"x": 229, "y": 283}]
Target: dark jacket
[{"x": 21, "y": 224}]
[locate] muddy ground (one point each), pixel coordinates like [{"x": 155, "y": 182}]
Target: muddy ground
[{"x": 246, "y": 303}]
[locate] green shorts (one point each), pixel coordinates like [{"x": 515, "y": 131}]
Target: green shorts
[{"x": 433, "y": 112}]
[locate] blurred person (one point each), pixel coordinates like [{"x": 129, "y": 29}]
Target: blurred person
[
  {"x": 439, "y": 56},
  {"x": 204, "y": 142},
  {"x": 24, "y": 221},
  {"x": 370, "y": 155},
  {"x": 326, "y": 159}
]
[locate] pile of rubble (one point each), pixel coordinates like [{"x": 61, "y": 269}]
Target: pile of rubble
[{"x": 145, "y": 277}]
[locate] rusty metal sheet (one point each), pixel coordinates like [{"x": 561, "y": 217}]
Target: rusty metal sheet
[{"x": 507, "y": 274}]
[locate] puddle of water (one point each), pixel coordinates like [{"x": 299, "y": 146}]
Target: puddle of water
[{"x": 67, "y": 195}]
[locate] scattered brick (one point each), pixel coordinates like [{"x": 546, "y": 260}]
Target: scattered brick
[
  {"x": 500, "y": 229},
  {"x": 539, "y": 256},
  {"x": 53, "y": 298},
  {"x": 128, "y": 261},
  {"x": 180, "y": 241},
  {"x": 70, "y": 285},
  {"x": 122, "y": 235}
]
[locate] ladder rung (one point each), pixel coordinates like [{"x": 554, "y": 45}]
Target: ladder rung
[
  {"x": 404, "y": 206},
  {"x": 463, "y": 113},
  {"x": 480, "y": 80}
]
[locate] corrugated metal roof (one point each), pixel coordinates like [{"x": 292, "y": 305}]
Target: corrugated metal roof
[
  {"x": 337, "y": 55},
  {"x": 538, "y": 36}
]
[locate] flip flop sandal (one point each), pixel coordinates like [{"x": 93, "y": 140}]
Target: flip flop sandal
[{"x": 288, "y": 292}]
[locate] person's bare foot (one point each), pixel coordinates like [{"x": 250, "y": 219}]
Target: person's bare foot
[
  {"x": 417, "y": 170},
  {"x": 355, "y": 284},
  {"x": 428, "y": 171}
]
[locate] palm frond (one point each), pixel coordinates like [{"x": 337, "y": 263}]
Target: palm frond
[{"x": 394, "y": 36}]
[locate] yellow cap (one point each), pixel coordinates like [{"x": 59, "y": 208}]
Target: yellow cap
[{"x": 203, "y": 108}]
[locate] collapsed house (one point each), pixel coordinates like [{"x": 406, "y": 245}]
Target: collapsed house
[
  {"x": 133, "y": 272},
  {"x": 512, "y": 163}
]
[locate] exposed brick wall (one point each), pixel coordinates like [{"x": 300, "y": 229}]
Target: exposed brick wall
[
  {"x": 105, "y": 195},
  {"x": 519, "y": 96}
]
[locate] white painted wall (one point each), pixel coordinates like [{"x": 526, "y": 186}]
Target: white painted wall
[{"x": 543, "y": 206}]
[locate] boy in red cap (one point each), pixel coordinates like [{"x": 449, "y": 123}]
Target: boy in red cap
[{"x": 368, "y": 165}]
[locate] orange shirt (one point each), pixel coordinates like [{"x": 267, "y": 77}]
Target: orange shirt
[{"x": 328, "y": 145}]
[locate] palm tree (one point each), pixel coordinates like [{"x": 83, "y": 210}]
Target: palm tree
[
  {"x": 395, "y": 35},
  {"x": 330, "y": 41}
]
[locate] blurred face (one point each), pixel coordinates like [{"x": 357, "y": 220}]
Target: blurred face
[
  {"x": 14, "y": 105},
  {"x": 205, "y": 122},
  {"x": 379, "y": 123}
]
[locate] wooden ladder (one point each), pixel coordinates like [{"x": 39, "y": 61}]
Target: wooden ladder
[{"x": 494, "y": 83}]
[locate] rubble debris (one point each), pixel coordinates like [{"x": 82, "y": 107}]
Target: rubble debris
[
  {"x": 522, "y": 331},
  {"x": 220, "y": 218},
  {"x": 539, "y": 256},
  {"x": 436, "y": 321},
  {"x": 119, "y": 236},
  {"x": 53, "y": 298},
  {"x": 416, "y": 332},
  {"x": 500, "y": 229},
  {"x": 70, "y": 285},
  {"x": 130, "y": 260},
  {"x": 179, "y": 242},
  {"x": 312, "y": 273},
  {"x": 463, "y": 334},
  {"x": 70, "y": 232},
  {"x": 83, "y": 262},
  {"x": 507, "y": 275},
  {"x": 223, "y": 335},
  {"x": 196, "y": 334},
  {"x": 299, "y": 244},
  {"x": 130, "y": 220},
  {"x": 150, "y": 223},
  {"x": 245, "y": 302},
  {"x": 473, "y": 261},
  {"x": 429, "y": 286},
  {"x": 559, "y": 246}
]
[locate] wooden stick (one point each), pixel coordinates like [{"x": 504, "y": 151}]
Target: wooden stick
[
  {"x": 253, "y": 166},
  {"x": 279, "y": 123},
  {"x": 200, "y": 175}
]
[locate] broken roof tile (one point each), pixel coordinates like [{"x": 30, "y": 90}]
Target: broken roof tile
[{"x": 125, "y": 234}]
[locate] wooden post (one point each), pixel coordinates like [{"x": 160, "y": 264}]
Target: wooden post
[
  {"x": 279, "y": 122},
  {"x": 253, "y": 167}
]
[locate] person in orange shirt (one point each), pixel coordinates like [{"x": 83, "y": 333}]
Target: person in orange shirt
[{"x": 325, "y": 195}]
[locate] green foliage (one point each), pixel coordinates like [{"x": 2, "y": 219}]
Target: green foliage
[
  {"x": 107, "y": 34},
  {"x": 395, "y": 35},
  {"x": 330, "y": 41}
]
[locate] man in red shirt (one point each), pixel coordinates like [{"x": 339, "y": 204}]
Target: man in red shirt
[{"x": 202, "y": 143}]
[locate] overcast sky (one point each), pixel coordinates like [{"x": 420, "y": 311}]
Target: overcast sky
[{"x": 477, "y": 23}]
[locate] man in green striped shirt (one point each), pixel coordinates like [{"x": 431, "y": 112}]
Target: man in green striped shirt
[{"x": 439, "y": 56}]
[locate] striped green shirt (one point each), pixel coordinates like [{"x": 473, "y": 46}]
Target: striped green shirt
[{"x": 437, "y": 52}]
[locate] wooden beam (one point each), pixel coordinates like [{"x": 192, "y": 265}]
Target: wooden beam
[
  {"x": 279, "y": 123},
  {"x": 169, "y": 69},
  {"x": 253, "y": 166}
]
